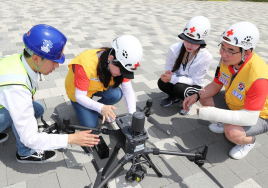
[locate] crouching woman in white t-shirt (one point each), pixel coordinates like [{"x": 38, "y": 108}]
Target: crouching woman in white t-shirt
[{"x": 187, "y": 63}]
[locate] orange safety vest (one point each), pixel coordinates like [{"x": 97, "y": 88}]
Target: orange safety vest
[
  {"x": 236, "y": 92},
  {"x": 89, "y": 60}
]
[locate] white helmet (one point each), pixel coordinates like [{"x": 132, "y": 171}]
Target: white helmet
[
  {"x": 241, "y": 34},
  {"x": 128, "y": 51},
  {"x": 196, "y": 30}
]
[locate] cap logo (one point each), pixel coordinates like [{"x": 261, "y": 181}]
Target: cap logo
[
  {"x": 230, "y": 33},
  {"x": 28, "y": 33},
  {"x": 47, "y": 45},
  {"x": 192, "y": 29}
]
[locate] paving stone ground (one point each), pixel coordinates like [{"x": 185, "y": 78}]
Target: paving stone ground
[{"x": 156, "y": 23}]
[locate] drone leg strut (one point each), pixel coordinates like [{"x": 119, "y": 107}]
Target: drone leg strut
[
  {"x": 113, "y": 155},
  {"x": 146, "y": 156}
]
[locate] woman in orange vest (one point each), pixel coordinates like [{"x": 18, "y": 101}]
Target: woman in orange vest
[{"x": 100, "y": 72}]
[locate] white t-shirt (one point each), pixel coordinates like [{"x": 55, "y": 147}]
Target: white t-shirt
[{"x": 195, "y": 69}]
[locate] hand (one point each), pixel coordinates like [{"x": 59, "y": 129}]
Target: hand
[
  {"x": 84, "y": 138},
  {"x": 169, "y": 72},
  {"x": 166, "y": 77},
  {"x": 189, "y": 101},
  {"x": 107, "y": 111}
]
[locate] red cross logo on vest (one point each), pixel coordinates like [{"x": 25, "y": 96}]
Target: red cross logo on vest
[
  {"x": 192, "y": 29},
  {"x": 136, "y": 65},
  {"x": 230, "y": 33}
]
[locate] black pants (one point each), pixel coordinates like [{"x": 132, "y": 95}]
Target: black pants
[{"x": 178, "y": 90}]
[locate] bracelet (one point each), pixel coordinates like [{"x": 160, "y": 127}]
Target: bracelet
[{"x": 198, "y": 96}]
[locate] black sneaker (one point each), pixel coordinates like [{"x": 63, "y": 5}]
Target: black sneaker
[
  {"x": 168, "y": 101},
  {"x": 38, "y": 157},
  {"x": 3, "y": 137}
]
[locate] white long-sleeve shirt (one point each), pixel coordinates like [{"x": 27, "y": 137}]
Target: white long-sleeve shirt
[
  {"x": 18, "y": 101},
  {"x": 195, "y": 69},
  {"x": 128, "y": 93}
]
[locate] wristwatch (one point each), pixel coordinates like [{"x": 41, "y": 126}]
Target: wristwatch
[{"x": 198, "y": 95}]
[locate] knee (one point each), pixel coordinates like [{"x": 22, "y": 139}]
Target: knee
[
  {"x": 232, "y": 134},
  {"x": 5, "y": 119},
  {"x": 91, "y": 124},
  {"x": 39, "y": 109},
  {"x": 160, "y": 84},
  {"x": 116, "y": 95}
]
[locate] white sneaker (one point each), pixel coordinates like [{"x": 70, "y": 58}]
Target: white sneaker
[
  {"x": 241, "y": 151},
  {"x": 184, "y": 112},
  {"x": 217, "y": 127}
]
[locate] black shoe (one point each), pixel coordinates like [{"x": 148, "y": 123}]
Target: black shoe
[
  {"x": 3, "y": 137},
  {"x": 38, "y": 157},
  {"x": 168, "y": 101}
]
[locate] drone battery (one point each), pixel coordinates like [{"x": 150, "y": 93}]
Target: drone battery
[{"x": 102, "y": 149}]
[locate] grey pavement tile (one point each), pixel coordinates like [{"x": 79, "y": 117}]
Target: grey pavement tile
[
  {"x": 46, "y": 84},
  {"x": 173, "y": 169},
  {"x": 177, "y": 185},
  {"x": 75, "y": 156},
  {"x": 47, "y": 180},
  {"x": 200, "y": 180},
  {"x": 63, "y": 74},
  {"x": 188, "y": 141},
  {"x": 73, "y": 177},
  {"x": 261, "y": 164},
  {"x": 242, "y": 168},
  {"x": 50, "y": 167},
  {"x": 120, "y": 182},
  {"x": 222, "y": 173},
  {"x": 218, "y": 152},
  {"x": 262, "y": 139},
  {"x": 54, "y": 102},
  {"x": 18, "y": 185},
  {"x": 206, "y": 136},
  {"x": 53, "y": 76},
  {"x": 248, "y": 183},
  {"x": 261, "y": 178},
  {"x": 181, "y": 125},
  {"x": 3, "y": 175},
  {"x": 61, "y": 68}
]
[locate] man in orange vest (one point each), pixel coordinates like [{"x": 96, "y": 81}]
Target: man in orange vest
[{"x": 243, "y": 106}]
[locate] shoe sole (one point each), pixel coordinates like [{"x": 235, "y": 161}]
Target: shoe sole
[
  {"x": 5, "y": 139},
  {"x": 38, "y": 162},
  {"x": 166, "y": 105}
]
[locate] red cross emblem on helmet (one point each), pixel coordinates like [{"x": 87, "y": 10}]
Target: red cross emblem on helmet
[
  {"x": 230, "y": 33},
  {"x": 192, "y": 29}
]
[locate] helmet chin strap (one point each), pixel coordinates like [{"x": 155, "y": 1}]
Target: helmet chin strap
[
  {"x": 31, "y": 53},
  {"x": 242, "y": 60},
  {"x": 37, "y": 68}
]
